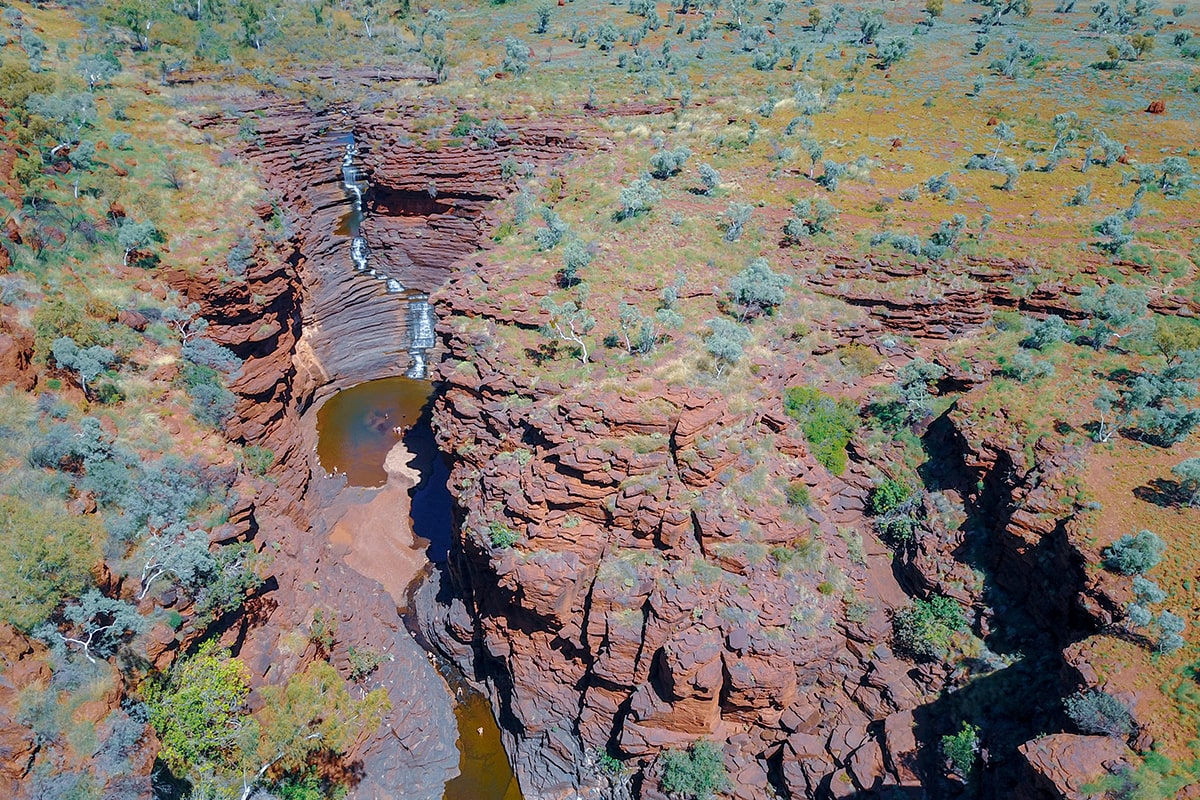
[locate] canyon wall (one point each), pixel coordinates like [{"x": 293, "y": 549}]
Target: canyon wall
[
  {"x": 650, "y": 599},
  {"x": 626, "y": 579}
]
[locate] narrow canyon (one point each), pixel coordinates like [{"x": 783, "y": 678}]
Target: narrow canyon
[{"x": 637, "y": 615}]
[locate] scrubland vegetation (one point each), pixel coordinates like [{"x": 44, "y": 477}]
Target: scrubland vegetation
[{"x": 975, "y": 147}]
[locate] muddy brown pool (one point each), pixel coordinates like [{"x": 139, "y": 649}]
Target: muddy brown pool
[{"x": 357, "y": 427}]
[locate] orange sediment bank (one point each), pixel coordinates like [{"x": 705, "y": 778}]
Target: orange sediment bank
[
  {"x": 359, "y": 434},
  {"x": 376, "y": 536}
]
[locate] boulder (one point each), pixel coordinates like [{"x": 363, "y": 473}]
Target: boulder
[{"x": 1063, "y": 763}]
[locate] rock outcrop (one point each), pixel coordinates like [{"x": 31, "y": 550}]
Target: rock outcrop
[
  {"x": 1063, "y": 763},
  {"x": 646, "y": 604}
]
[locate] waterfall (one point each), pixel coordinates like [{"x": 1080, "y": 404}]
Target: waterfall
[
  {"x": 350, "y": 175},
  {"x": 420, "y": 323},
  {"x": 421, "y": 337},
  {"x": 359, "y": 253},
  {"x": 420, "y": 334}
]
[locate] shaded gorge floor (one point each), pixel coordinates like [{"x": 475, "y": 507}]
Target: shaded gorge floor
[{"x": 377, "y": 436}]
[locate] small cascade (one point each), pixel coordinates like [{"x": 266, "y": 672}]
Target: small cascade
[
  {"x": 420, "y": 334},
  {"x": 359, "y": 253},
  {"x": 350, "y": 175},
  {"x": 421, "y": 337}
]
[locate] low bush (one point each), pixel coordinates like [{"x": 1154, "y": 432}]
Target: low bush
[
  {"x": 927, "y": 627},
  {"x": 501, "y": 536},
  {"x": 962, "y": 749},
  {"x": 828, "y": 424},
  {"x": 798, "y": 494},
  {"x": 696, "y": 773},
  {"x": 1097, "y": 711},
  {"x": 1134, "y": 554},
  {"x": 46, "y": 557}
]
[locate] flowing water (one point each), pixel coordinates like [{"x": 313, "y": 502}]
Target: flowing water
[
  {"x": 355, "y": 430},
  {"x": 420, "y": 314}
]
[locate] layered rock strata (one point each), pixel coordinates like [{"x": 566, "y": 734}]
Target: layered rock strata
[
  {"x": 306, "y": 325},
  {"x": 649, "y": 598},
  {"x": 646, "y": 603}
]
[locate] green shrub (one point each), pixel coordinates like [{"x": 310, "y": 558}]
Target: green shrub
[
  {"x": 233, "y": 579},
  {"x": 1097, "y": 711},
  {"x": 1021, "y": 367},
  {"x": 610, "y": 765},
  {"x": 696, "y": 773},
  {"x": 363, "y": 661},
  {"x": 57, "y": 318},
  {"x": 666, "y": 163},
  {"x": 889, "y": 495},
  {"x": 46, "y": 557},
  {"x": 198, "y": 711},
  {"x": 1170, "y": 626},
  {"x": 1188, "y": 473},
  {"x": 1134, "y": 554},
  {"x": 896, "y": 508},
  {"x": 258, "y": 460},
  {"x": 212, "y": 403},
  {"x": 828, "y": 424},
  {"x": 798, "y": 494},
  {"x": 465, "y": 124},
  {"x": 860, "y": 358},
  {"x": 1008, "y": 321},
  {"x": 502, "y": 536},
  {"x": 158, "y": 494},
  {"x": 962, "y": 749},
  {"x": 208, "y": 353},
  {"x": 927, "y": 627},
  {"x": 1048, "y": 332}
]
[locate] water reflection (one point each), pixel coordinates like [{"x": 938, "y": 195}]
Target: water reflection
[{"x": 484, "y": 770}]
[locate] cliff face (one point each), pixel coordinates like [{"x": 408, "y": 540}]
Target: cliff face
[
  {"x": 652, "y": 598},
  {"x": 307, "y": 325},
  {"x": 647, "y": 603}
]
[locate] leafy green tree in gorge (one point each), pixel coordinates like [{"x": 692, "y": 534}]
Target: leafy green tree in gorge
[
  {"x": 199, "y": 711},
  {"x": 312, "y": 715},
  {"x": 209, "y": 736}
]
